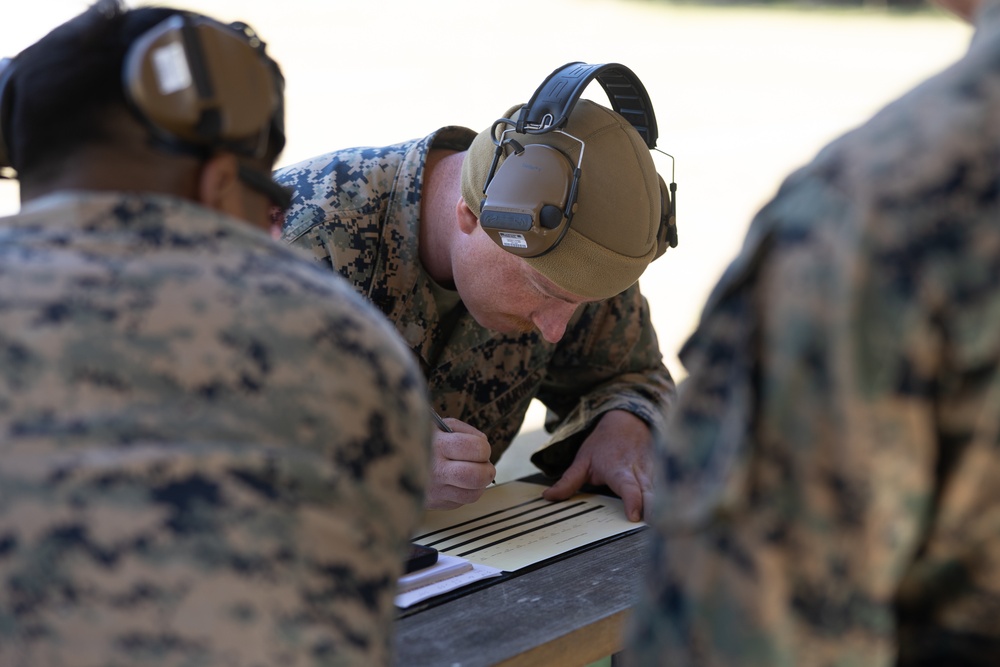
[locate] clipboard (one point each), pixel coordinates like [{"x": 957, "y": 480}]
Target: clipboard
[{"x": 513, "y": 529}]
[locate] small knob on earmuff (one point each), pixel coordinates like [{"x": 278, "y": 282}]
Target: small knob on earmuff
[{"x": 550, "y": 216}]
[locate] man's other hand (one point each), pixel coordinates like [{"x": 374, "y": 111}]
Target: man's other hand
[{"x": 618, "y": 454}]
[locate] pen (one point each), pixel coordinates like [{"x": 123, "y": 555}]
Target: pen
[
  {"x": 444, "y": 427},
  {"x": 440, "y": 422}
]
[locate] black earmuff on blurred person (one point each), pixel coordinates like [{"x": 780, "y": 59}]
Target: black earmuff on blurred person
[
  {"x": 199, "y": 85},
  {"x": 203, "y": 83},
  {"x": 529, "y": 199}
]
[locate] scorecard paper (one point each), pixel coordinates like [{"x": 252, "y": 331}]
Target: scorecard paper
[{"x": 511, "y": 526}]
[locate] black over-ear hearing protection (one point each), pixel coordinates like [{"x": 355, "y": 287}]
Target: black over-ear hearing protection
[
  {"x": 197, "y": 84},
  {"x": 530, "y": 198}
]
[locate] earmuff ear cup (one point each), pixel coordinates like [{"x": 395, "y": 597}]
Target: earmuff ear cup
[
  {"x": 666, "y": 234},
  {"x": 6, "y": 107},
  {"x": 526, "y": 201},
  {"x": 200, "y": 82}
]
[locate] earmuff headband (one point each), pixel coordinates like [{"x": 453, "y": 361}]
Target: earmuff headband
[{"x": 550, "y": 106}]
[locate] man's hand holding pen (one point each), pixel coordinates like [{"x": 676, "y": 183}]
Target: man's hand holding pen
[{"x": 460, "y": 467}]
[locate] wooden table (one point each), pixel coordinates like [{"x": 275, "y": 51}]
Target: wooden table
[{"x": 565, "y": 612}]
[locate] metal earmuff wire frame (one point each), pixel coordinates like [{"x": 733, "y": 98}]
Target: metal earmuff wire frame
[
  {"x": 541, "y": 128},
  {"x": 673, "y": 197}
]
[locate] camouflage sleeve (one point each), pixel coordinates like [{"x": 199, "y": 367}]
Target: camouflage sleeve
[
  {"x": 211, "y": 456},
  {"x": 338, "y": 207},
  {"x": 609, "y": 359},
  {"x": 827, "y": 492}
]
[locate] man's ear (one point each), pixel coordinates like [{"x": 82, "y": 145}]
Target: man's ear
[
  {"x": 467, "y": 220},
  {"x": 219, "y": 185}
]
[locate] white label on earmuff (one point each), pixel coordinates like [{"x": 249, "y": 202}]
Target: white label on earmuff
[
  {"x": 512, "y": 240},
  {"x": 172, "y": 71}
]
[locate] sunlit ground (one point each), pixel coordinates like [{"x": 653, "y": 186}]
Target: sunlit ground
[{"x": 742, "y": 95}]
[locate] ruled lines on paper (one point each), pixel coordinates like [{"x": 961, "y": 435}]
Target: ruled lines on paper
[{"x": 511, "y": 526}]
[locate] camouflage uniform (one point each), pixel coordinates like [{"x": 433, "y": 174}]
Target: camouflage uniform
[
  {"x": 211, "y": 452},
  {"x": 358, "y": 210},
  {"x": 832, "y": 475}
]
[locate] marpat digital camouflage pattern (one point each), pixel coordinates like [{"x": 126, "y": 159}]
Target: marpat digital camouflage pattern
[
  {"x": 358, "y": 211},
  {"x": 831, "y": 483},
  {"x": 212, "y": 452}
]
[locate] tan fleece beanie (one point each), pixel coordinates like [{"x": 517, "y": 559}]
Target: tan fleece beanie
[{"x": 612, "y": 237}]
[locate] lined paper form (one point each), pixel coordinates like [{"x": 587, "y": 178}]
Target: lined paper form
[{"x": 511, "y": 526}]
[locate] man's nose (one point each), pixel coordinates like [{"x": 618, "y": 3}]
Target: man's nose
[{"x": 552, "y": 319}]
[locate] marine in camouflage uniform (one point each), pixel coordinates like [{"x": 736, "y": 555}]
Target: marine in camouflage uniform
[
  {"x": 212, "y": 450},
  {"x": 831, "y": 479},
  {"x": 358, "y": 211}
]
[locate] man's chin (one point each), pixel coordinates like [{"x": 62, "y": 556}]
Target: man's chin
[{"x": 510, "y": 326}]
